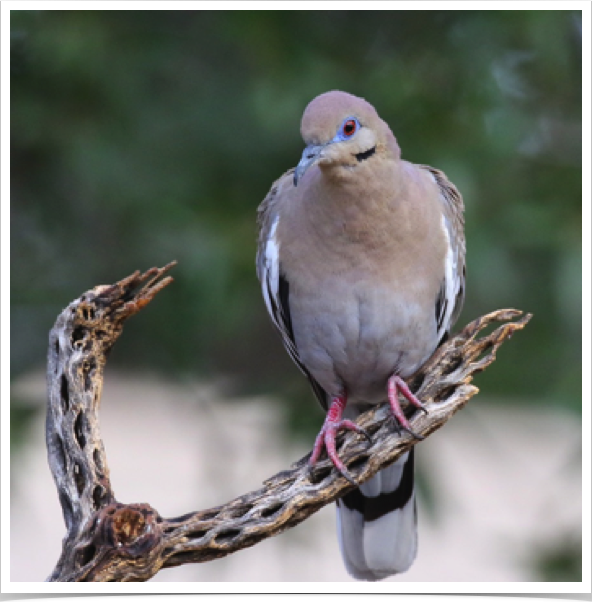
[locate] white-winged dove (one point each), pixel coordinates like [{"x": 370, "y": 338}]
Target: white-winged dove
[{"x": 361, "y": 260}]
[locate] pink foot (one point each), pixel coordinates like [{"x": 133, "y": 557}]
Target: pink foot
[
  {"x": 397, "y": 385},
  {"x": 326, "y": 438}
]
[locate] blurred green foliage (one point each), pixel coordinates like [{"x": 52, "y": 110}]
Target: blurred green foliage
[
  {"x": 139, "y": 137},
  {"x": 562, "y": 562}
]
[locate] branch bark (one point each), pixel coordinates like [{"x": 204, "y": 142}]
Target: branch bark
[{"x": 110, "y": 541}]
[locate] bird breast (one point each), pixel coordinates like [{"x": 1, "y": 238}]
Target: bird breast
[{"x": 355, "y": 335}]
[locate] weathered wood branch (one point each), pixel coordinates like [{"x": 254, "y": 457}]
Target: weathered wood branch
[{"x": 110, "y": 541}]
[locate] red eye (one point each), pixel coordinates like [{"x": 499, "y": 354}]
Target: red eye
[{"x": 349, "y": 127}]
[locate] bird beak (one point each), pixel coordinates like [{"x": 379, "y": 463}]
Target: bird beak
[{"x": 311, "y": 153}]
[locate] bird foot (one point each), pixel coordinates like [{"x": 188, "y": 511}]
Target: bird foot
[
  {"x": 326, "y": 437},
  {"x": 397, "y": 385}
]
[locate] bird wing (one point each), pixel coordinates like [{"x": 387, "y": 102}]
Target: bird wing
[
  {"x": 452, "y": 292},
  {"x": 274, "y": 283}
]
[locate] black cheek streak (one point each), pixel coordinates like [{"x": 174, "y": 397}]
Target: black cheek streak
[{"x": 366, "y": 154}]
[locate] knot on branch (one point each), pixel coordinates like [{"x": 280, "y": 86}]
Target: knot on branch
[{"x": 130, "y": 530}]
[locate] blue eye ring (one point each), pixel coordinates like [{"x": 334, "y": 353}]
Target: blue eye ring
[{"x": 348, "y": 128}]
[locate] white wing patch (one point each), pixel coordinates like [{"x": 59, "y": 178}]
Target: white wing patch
[
  {"x": 451, "y": 285},
  {"x": 271, "y": 273},
  {"x": 270, "y": 285}
]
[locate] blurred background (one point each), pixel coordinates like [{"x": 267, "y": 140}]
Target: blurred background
[{"x": 139, "y": 137}]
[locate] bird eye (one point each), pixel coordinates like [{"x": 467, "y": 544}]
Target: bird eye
[{"x": 349, "y": 128}]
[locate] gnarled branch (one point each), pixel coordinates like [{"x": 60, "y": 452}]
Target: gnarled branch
[{"x": 110, "y": 541}]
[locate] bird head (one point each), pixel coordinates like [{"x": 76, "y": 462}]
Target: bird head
[{"x": 342, "y": 131}]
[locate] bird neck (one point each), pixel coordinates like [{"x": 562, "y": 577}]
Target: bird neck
[{"x": 360, "y": 205}]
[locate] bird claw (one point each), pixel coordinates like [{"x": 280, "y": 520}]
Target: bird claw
[
  {"x": 327, "y": 435},
  {"x": 397, "y": 385},
  {"x": 348, "y": 476},
  {"x": 405, "y": 429},
  {"x": 333, "y": 423},
  {"x": 344, "y": 472}
]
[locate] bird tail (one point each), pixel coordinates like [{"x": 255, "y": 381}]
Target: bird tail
[{"x": 377, "y": 523}]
